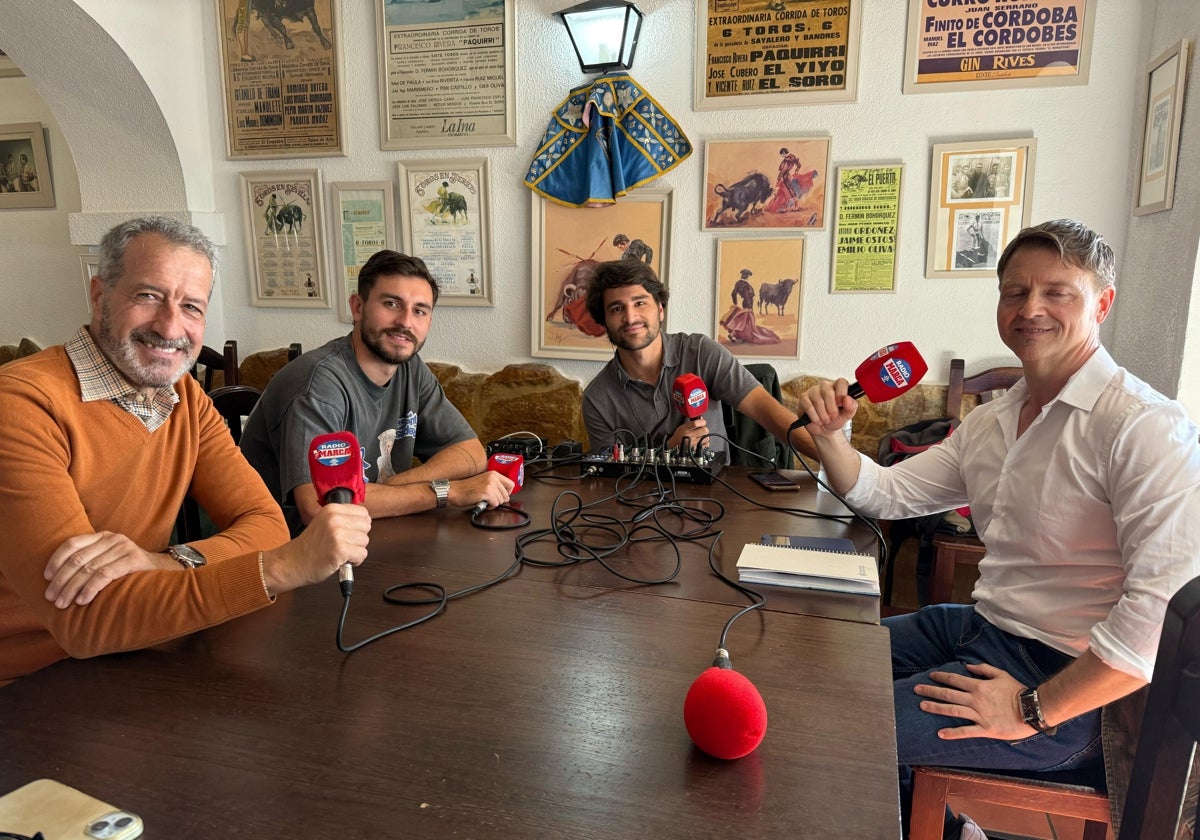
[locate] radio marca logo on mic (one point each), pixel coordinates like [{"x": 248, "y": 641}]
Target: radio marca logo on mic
[{"x": 333, "y": 453}]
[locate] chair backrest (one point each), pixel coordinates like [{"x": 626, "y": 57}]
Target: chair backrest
[
  {"x": 212, "y": 361},
  {"x": 234, "y": 402},
  {"x": 1170, "y": 726},
  {"x": 984, "y": 385},
  {"x": 294, "y": 351},
  {"x": 747, "y": 434}
]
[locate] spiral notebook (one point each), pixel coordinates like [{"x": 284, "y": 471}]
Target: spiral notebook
[{"x": 827, "y": 563}]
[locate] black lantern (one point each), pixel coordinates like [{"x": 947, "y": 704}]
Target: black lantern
[{"x": 603, "y": 33}]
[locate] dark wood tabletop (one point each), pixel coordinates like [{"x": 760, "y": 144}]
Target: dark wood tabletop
[
  {"x": 742, "y": 519},
  {"x": 539, "y": 708}
]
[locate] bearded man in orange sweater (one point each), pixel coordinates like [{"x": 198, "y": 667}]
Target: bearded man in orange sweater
[{"x": 105, "y": 436}]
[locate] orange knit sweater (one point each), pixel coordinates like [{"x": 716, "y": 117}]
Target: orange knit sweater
[{"x": 68, "y": 467}]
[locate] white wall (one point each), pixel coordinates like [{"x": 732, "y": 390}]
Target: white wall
[{"x": 1083, "y": 159}]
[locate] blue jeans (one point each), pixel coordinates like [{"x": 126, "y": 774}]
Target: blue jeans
[{"x": 945, "y": 637}]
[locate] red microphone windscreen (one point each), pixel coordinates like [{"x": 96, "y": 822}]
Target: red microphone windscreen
[
  {"x": 724, "y": 714},
  {"x": 335, "y": 464},
  {"x": 690, "y": 395},
  {"x": 890, "y": 371},
  {"x": 509, "y": 465}
]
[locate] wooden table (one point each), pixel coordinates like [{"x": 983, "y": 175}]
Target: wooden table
[{"x": 540, "y": 708}]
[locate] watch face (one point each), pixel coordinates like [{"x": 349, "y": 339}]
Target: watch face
[{"x": 187, "y": 556}]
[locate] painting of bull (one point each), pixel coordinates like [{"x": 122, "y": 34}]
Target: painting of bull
[
  {"x": 273, "y": 13},
  {"x": 743, "y": 198},
  {"x": 774, "y": 294}
]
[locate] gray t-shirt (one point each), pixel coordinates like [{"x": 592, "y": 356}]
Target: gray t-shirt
[
  {"x": 326, "y": 391},
  {"x": 617, "y": 408}
]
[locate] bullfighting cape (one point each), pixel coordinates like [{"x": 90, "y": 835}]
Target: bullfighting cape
[{"x": 604, "y": 139}]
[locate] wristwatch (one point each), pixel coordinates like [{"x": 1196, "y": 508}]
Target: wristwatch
[
  {"x": 187, "y": 556},
  {"x": 441, "y": 489},
  {"x": 1031, "y": 711}
]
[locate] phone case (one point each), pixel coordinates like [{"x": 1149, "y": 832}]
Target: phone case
[
  {"x": 774, "y": 481},
  {"x": 63, "y": 813}
]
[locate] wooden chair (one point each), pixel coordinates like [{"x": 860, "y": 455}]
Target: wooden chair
[
  {"x": 233, "y": 402},
  {"x": 212, "y": 361},
  {"x": 949, "y": 550},
  {"x": 1155, "y": 800},
  {"x": 294, "y": 351}
]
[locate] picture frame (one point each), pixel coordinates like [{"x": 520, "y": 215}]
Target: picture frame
[
  {"x": 286, "y": 252},
  {"x": 980, "y": 196},
  {"x": 89, "y": 265},
  {"x": 24, "y": 168},
  {"x": 953, "y": 47},
  {"x": 8, "y": 67},
  {"x": 742, "y": 64},
  {"x": 866, "y": 228},
  {"x": 568, "y": 242},
  {"x": 763, "y": 280},
  {"x": 1166, "y": 79},
  {"x": 766, "y": 183},
  {"x": 447, "y": 74},
  {"x": 281, "y": 81},
  {"x": 363, "y": 222},
  {"x": 445, "y": 211}
]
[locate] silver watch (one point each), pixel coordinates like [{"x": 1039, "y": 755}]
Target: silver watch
[
  {"x": 441, "y": 489},
  {"x": 187, "y": 556},
  {"x": 1031, "y": 711}
]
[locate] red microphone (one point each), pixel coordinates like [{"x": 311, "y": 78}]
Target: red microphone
[
  {"x": 723, "y": 711},
  {"x": 336, "y": 468},
  {"x": 885, "y": 375},
  {"x": 690, "y": 395},
  {"x": 508, "y": 465}
]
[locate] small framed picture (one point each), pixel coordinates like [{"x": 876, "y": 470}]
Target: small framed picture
[
  {"x": 24, "y": 168},
  {"x": 364, "y": 222},
  {"x": 282, "y": 215},
  {"x": 568, "y": 244},
  {"x": 89, "y": 265},
  {"x": 866, "y": 228},
  {"x": 446, "y": 213},
  {"x": 980, "y": 196},
  {"x": 769, "y": 183},
  {"x": 1165, "y": 80},
  {"x": 758, "y": 294}
]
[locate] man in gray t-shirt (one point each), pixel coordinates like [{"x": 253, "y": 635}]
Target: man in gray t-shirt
[
  {"x": 374, "y": 384},
  {"x": 630, "y": 399}
]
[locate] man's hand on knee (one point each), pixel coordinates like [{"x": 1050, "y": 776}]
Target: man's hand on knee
[{"x": 989, "y": 698}]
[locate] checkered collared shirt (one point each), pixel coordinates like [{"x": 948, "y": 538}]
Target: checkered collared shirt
[{"x": 100, "y": 380}]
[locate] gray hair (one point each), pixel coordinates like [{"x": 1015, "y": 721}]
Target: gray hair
[
  {"x": 1078, "y": 245},
  {"x": 116, "y": 242}
]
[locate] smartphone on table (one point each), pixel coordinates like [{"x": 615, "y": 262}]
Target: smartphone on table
[
  {"x": 774, "y": 481},
  {"x": 61, "y": 812}
]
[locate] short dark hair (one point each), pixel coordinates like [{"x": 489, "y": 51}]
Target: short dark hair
[
  {"x": 392, "y": 264},
  {"x": 616, "y": 274},
  {"x": 620, "y": 239},
  {"x": 1078, "y": 245}
]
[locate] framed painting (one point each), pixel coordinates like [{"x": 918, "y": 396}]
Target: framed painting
[
  {"x": 1166, "y": 78},
  {"x": 866, "y": 228},
  {"x": 283, "y": 225},
  {"x": 762, "y": 281},
  {"x": 89, "y": 266},
  {"x": 281, "y": 78},
  {"x": 447, "y": 73},
  {"x": 980, "y": 196},
  {"x": 775, "y": 53},
  {"x": 8, "y": 67},
  {"x": 768, "y": 183},
  {"x": 24, "y": 168},
  {"x": 568, "y": 243},
  {"x": 445, "y": 212},
  {"x": 364, "y": 222},
  {"x": 954, "y": 47}
]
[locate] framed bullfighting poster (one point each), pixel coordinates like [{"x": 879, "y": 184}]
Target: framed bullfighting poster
[
  {"x": 364, "y": 222},
  {"x": 282, "y": 215},
  {"x": 444, "y": 212},
  {"x": 769, "y": 183},
  {"x": 281, "y": 76},
  {"x": 980, "y": 196},
  {"x": 866, "y": 228},
  {"x": 568, "y": 244},
  {"x": 758, "y": 294}
]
